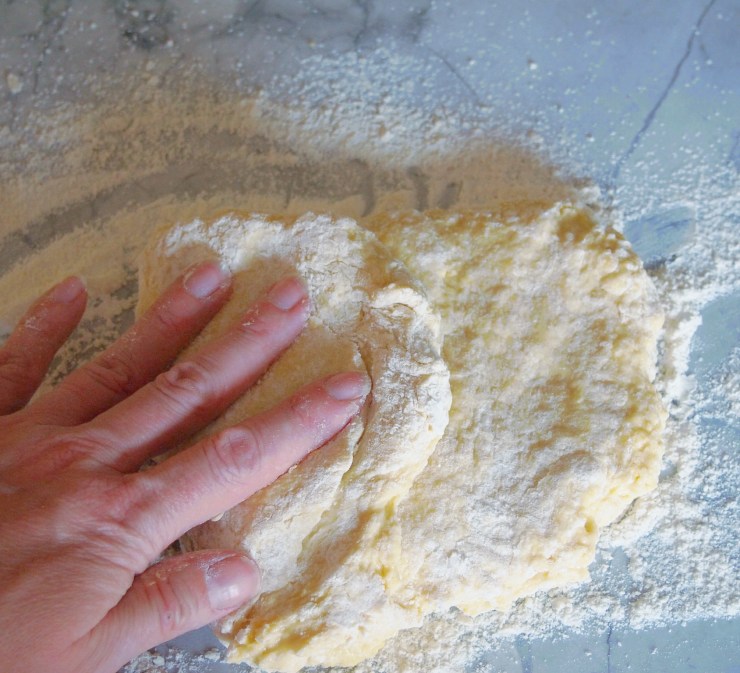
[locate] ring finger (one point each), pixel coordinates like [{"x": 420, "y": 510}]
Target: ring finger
[{"x": 222, "y": 470}]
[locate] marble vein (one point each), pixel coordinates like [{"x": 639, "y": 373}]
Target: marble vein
[
  {"x": 54, "y": 15},
  {"x": 468, "y": 87},
  {"x": 524, "y": 650},
  {"x": 734, "y": 154},
  {"x": 253, "y": 12},
  {"x": 650, "y": 117},
  {"x": 375, "y": 24},
  {"x": 364, "y": 7},
  {"x": 144, "y": 25}
]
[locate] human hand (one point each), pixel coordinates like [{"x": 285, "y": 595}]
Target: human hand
[{"x": 80, "y": 526}]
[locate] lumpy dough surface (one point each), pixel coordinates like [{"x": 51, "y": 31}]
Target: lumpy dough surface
[
  {"x": 324, "y": 533},
  {"x": 550, "y": 329}
]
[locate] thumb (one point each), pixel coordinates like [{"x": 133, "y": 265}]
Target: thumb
[{"x": 174, "y": 596}]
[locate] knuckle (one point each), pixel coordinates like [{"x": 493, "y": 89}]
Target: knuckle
[
  {"x": 302, "y": 410},
  {"x": 121, "y": 524},
  {"x": 187, "y": 386},
  {"x": 63, "y": 451},
  {"x": 256, "y": 326},
  {"x": 165, "y": 318},
  {"x": 14, "y": 367},
  {"x": 234, "y": 453},
  {"x": 114, "y": 372},
  {"x": 170, "y": 601}
]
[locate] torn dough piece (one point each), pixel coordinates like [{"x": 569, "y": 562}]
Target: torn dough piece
[
  {"x": 550, "y": 328},
  {"x": 324, "y": 533}
]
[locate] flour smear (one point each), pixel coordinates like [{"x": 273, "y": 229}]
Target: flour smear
[{"x": 110, "y": 172}]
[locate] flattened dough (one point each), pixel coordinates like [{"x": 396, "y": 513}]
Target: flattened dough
[
  {"x": 550, "y": 327},
  {"x": 323, "y": 533}
]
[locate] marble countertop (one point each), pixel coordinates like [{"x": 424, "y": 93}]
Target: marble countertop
[{"x": 642, "y": 98}]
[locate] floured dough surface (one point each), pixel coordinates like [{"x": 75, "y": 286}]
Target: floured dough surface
[
  {"x": 550, "y": 327},
  {"x": 324, "y": 533}
]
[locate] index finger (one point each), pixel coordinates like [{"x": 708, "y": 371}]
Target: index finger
[{"x": 143, "y": 352}]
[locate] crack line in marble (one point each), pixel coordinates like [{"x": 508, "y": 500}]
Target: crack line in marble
[
  {"x": 650, "y": 117},
  {"x": 734, "y": 154},
  {"x": 457, "y": 74},
  {"x": 416, "y": 23},
  {"x": 524, "y": 650},
  {"x": 52, "y": 24},
  {"x": 364, "y": 7}
]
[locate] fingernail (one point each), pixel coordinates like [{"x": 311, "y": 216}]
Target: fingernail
[
  {"x": 285, "y": 294},
  {"x": 347, "y": 386},
  {"x": 231, "y": 582},
  {"x": 203, "y": 280},
  {"x": 67, "y": 291}
]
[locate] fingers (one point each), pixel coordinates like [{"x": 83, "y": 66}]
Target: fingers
[
  {"x": 28, "y": 352},
  {"x": 145, "y": 350},
  {"x": 222, "y": 470},
  {"x": 177, "y": 595},
  {"x": 195, "y": 391}
]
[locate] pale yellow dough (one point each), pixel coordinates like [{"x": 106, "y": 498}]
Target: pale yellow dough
[
  {"x": 550, "y": 327},
  {"x": 322, "y": 533}
]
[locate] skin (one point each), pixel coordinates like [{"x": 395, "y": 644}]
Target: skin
[{"x": 81, "y": 528}]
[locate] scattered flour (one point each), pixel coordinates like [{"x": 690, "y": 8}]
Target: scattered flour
[
  {"x": 166, "y": 660},
  {"x": 110, "y": 173}
]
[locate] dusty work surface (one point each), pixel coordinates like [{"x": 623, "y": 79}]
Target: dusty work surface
[{"x": 117, "y": 117}]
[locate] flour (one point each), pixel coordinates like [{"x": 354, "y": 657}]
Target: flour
[
  {"x": 172, "y": 659},
  {"x": 112, "y": 173}
]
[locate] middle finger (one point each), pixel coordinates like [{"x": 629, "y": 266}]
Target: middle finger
[{"x": 195, "y": 391}]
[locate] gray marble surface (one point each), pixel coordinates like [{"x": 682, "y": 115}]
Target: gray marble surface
[{"x": 630, "y": 94}]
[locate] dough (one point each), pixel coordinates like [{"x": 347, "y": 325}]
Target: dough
[
  {"x": 323, "y": 533},
  {"x": 550, "y": 327}
]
